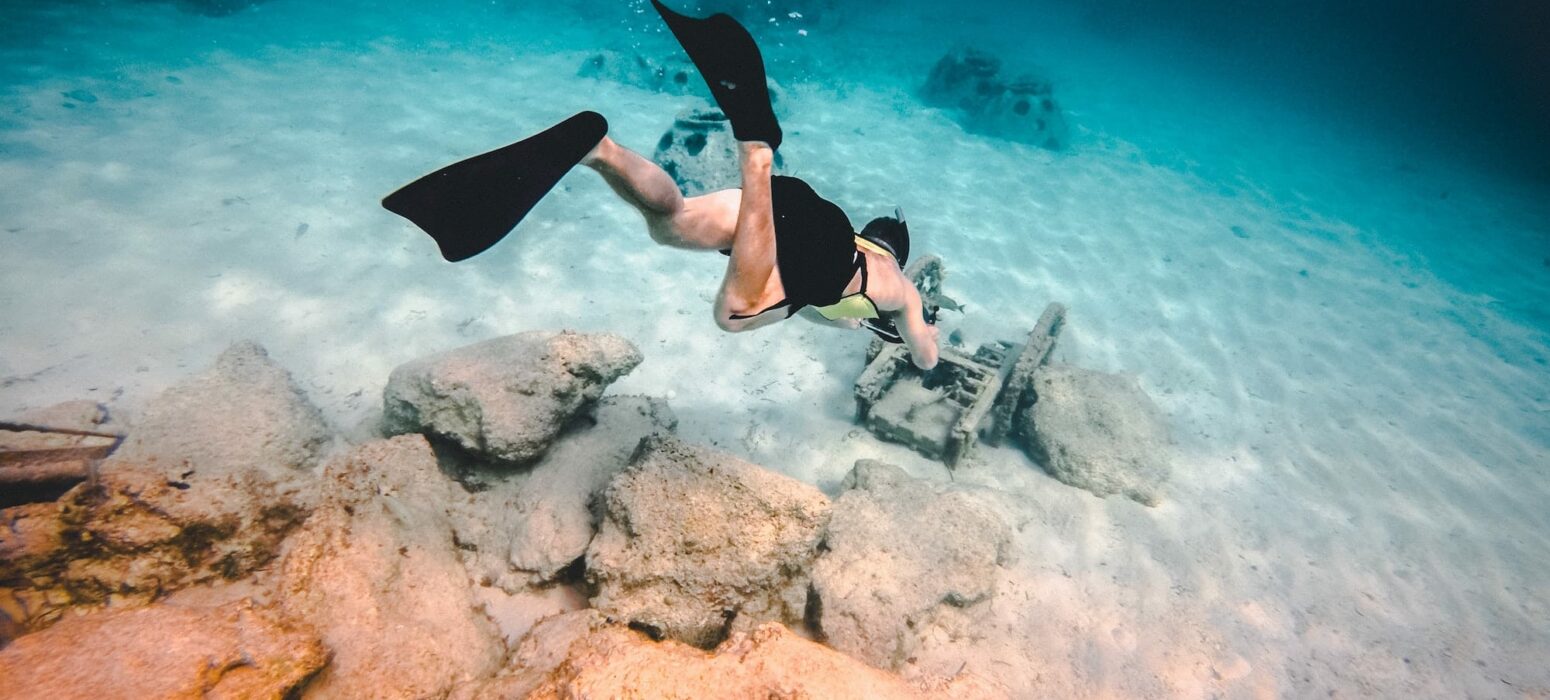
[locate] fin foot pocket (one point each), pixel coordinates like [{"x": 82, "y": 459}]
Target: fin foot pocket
[{"x": 469, "y": 206}]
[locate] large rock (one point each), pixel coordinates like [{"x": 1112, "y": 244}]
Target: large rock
[
  {"x": 216, "y": 474},
  {"x": 376, "y": 571},
  {"x": 1098, "y": 432},
  {"x": 701, "y": 154},
  {"x": 900, "y": 550},
  {"x": 696, "y": 543},
  {"x": 969, "y": 83},
  {"x": 234, "y": 651},
  {"x": 507, "y": 398},
  {"x": 244, "y": 415},
  {"x": 515, "y": 532},
  {"x": 582, "y": 655}
]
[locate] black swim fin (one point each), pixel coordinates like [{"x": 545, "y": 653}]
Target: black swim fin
[
  {"x": 733, "y": 69},
  {"x": 472, "y": 204}
]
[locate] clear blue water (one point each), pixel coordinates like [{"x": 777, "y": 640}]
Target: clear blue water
[{"x": 1319, "y": 233}]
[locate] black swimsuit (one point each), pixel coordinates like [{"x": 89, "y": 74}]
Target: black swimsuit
[{"x": 815, "y": 247}]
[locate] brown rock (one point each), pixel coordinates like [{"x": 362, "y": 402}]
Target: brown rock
[
  {"x": 162, "y": 651},
  {"x": 214, "y": 476},
  {"x": 375, "y": 570},
  {"x": 697, "y": 543},
  {"x": 581, "y": 655},
  {"x": 508, "y": 398}
]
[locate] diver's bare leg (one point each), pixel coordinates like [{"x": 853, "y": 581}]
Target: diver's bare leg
[
  {"x": 671, "y": 219},
  {"x": 751, "y": 275}
]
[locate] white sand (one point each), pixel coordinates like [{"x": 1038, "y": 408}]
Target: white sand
[{"x": 1358, "y": 500}]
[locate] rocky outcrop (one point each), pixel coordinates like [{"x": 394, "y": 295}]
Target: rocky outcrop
[
  {"x": 898, "y": 550},
  {"x": 581, "y": 654},
  {"x": 508, "y": 398},
  {"x": 515, "y": 532},
  {"x": 245, "y": 415},
  {"x": 695, "y": 544},
  {"x": 969, "y": 83},
  {"x": 214, "y": 477},
  {"x": 701, "y": 154},
  {"x": 1098, "y": 432},
  {"x": 234, "y": 651},
  {"x": 375, "y": 570}
]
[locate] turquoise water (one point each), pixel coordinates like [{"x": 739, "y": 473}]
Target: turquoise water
[{"x": 1319, "y": 237}]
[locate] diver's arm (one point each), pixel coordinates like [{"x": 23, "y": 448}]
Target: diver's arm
[
  {"x": 811, "y": 314},
  {"x": 920, "y": 337},
  {"x": 753, "y": 245}
]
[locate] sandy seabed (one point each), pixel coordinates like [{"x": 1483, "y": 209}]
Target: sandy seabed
[{"x": 1359, "y": 487}]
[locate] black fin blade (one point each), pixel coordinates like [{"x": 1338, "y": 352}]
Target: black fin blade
[
  {"x": 733, "y": 69},
  {"x": 469, "y": 206}
]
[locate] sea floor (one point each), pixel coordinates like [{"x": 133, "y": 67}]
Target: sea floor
[{"x": 1346, "y": 334}]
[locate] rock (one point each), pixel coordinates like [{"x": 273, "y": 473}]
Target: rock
[
  {"x": 38, "y": 466},
  {"x": 1098, "y": 432},
  {"x": 517, "y": 532},
  {"x": 899, "y": 551},
  {"x": 245, "y": 415},
  {"x": 234, "y": 651},
  {"x": 213, "y": 479},
  {"x": 968, "y": 83},
  {"x": 375, "y": 570},
  {"x": 674, "y": 76},
  {"x": 701, "y": 154},
  {"x": 696, "y": 543},
  {"x": 505, "y": 399},
  {"x": 581, "y": 654}
]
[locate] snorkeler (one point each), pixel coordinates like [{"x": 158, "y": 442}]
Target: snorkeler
[{"x": 790, "y": 251}]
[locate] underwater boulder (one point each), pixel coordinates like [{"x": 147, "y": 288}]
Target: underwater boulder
[
  {"x": 1099, "y": 432},
  {"x": 245, "y": 415},
  {"x": 518, "y": 531},
  {"x": 505, "y": 399},
  {"x": 583, "y": 654},
  {"x": 701, "y": 154},
  {"x": 375, "y": 571},
  {"x": 237, "y": 650},
  {"x": 968, "y": 83},
  {"x": 696, "y": 544},
  {"x": 213, "y": 477},
  {"x": 898, "y": 552}
]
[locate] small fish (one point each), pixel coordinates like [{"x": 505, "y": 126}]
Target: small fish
[
  {"x": 175, "y": 80},
  {"x": 948, "y": 303},
  {"x": 80, "y": 95},
  {"x": 302, "y": 230}
]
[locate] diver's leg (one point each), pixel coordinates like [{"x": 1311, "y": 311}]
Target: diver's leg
[
  {"x": 697, "y": 223},
  {"x": 751, "y": 278}
]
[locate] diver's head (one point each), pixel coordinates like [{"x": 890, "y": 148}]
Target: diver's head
[{"x": 891, "y": 233}]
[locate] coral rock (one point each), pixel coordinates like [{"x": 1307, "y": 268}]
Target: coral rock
[
  {"x": 695, "y": 543},
  {"x": 581, "y": 655},
  {"x": 375, "y": 570},
  {"x": 234, "y": 651},
  {"x": 1098, "y": 432},
  {"x": 214, "y": 477},
  {"x": 900, "y": 550},
  {"x": 508, "y": 398},
  {"x": 518, "y": 531}
]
